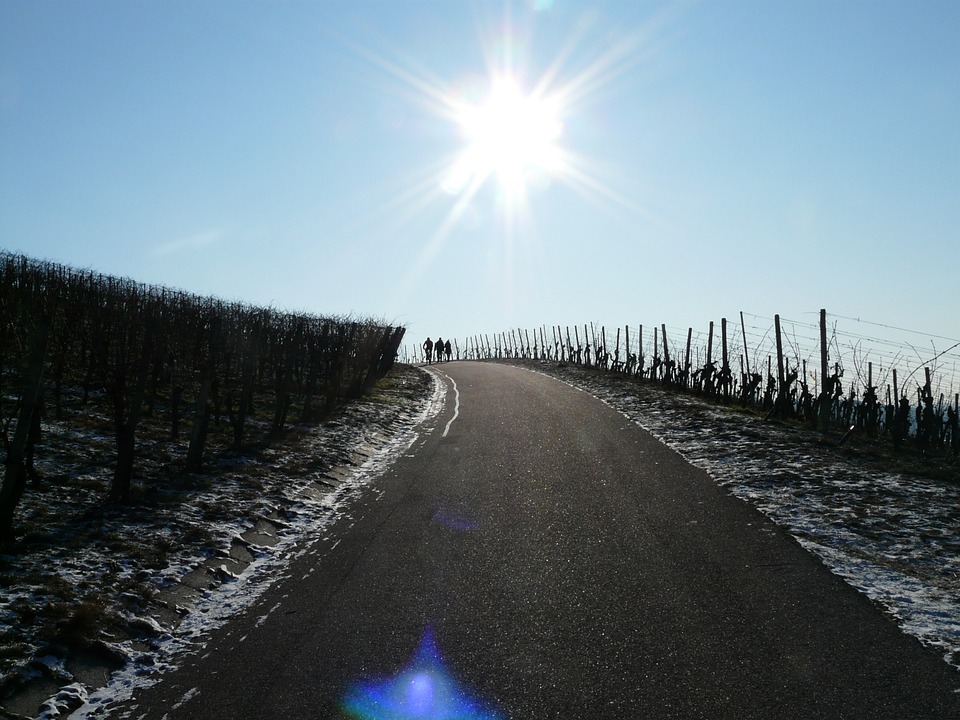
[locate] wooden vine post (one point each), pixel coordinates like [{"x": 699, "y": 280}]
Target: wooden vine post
[
  {"x": 743, "y": 330},
  {"x": 640, "y": 352},
  {"x": 626, "y": 342},
  {"x": 781, "y": 378},
  {"x": 656, "y": 355},
  {"x": 824, "y": 360},
  {"x": 710, "y": 345},
  {"x": 666, "y": 352},
  {"x": 725, "y": 367}
]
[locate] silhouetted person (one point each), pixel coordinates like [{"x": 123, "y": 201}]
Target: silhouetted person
[
  {"x": 438, "y": 349},
  {"x": 428, "y": 350},
  {"x": 447, "y": 350}
]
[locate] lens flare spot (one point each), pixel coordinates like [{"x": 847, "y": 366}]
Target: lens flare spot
[
  {"x": 454, "y": 520},
  {"x": 423, "y": 690}
]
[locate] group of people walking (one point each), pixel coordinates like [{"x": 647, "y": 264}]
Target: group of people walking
[{"x": 437, "y": 350}]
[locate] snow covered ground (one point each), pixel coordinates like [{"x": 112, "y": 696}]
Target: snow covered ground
[
  {"x": 893, "y": 535},
  {"x": 153, "y": 579}
]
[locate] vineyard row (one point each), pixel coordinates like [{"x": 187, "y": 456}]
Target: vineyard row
[
  {"x": 778, "y": 376},
  {"x": 74, "y": 342}
]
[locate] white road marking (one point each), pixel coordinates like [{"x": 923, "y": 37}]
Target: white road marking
[
  {"x": 456, "y": 406},
  {"x": 187, "y": 697}
]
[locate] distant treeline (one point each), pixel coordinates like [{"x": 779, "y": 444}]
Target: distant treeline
[
  {"x": 71, "y": 339},
  {"x": 905, "y": 410}
]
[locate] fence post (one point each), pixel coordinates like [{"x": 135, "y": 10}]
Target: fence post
[
  {"x": 725, "y": 368},
  {"x": 743, "y": 330},
  {"x": 666, "y": 352},
  {"x": 781, "y": 378},
  {"x": 640, "y": 352},
  {"x": 656, "y": 354},
  {"x": 710, "y": 345},
  {"x": 824, "y": 398},
  {"x": 780, "y": 375},
  {"x": 626, "y": 344}
]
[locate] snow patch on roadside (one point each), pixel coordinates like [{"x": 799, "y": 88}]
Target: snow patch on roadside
[{"x": 306, "y": 520}]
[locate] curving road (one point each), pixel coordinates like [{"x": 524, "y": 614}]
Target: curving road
[{"x": 537, "y": 555}]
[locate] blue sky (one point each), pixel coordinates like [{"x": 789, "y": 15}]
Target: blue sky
[{"x": 711, "y": 157}]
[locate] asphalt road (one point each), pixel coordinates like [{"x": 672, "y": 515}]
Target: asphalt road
[{"x": 550, "y": 559}]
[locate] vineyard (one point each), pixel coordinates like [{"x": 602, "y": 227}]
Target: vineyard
[
  {"x": 149, "y": 434},
  {"x": 806, "y": 371},
  {"x": 83, "y": 348}
]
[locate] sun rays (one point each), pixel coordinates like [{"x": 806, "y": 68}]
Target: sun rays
[{"x": 511, "y": 122}]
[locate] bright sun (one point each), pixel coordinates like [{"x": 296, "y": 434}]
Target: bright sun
[
  {"x": 510, "y": 136},
  {"x": 510, "y": 121}
]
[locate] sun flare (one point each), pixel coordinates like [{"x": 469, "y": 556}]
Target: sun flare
[
  {"x": 511, "y": 137},
  {"x": 519, "y": 132}
]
